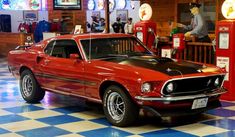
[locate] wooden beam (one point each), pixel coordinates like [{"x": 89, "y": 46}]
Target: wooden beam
[{"x": 107, "y": 29}]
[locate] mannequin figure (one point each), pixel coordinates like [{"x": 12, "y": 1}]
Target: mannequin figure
[
  {"x": 128, "y": 28},
  {"x": 198, "y": 26}
]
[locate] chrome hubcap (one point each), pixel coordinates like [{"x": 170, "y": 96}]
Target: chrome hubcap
[
  {"x": 116, "y": 106},
  {"x": 27, "y": 85}
]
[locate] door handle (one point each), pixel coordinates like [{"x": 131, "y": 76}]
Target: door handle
[{"x": 39, "y": 59}]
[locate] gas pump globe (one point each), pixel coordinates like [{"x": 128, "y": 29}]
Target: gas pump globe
[
  {"x": 145, "y": 12},
  {"x": 225, "y": 57},
  {"x": 228, "y": 9}
]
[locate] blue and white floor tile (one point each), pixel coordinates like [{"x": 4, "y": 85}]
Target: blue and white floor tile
[{"x": 63, "y": 116}]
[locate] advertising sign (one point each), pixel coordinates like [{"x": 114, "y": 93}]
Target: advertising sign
[{"x": 223, "y": 62}]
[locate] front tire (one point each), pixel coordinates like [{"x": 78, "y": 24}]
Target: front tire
[
  {"x": 29, "y": 87},
  {"x": 119, "y": 109}
]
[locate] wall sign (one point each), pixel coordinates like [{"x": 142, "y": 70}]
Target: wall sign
[
  {"x": 223, "y": 62},
  {"x": 34, "y": 4},
  {"x": 91, "y": 4},
  {"x": 121, "y": 4},
  {"x": 6, "y": 4},
  {"x": 20, "y": 4},
  {"x": 166, "y": 53},
  {"x": 100, "y": 4},
  {"x": 132, "y": 4},
  {"x": 111, "y": 5}
]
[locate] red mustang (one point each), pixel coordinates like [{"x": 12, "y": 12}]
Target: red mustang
[{"x": 118, "y": 71}]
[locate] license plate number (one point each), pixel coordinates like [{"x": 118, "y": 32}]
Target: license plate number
[{"x": 199, "y": 103}]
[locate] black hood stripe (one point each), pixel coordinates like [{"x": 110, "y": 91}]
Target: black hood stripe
[{"x": 164, "y": 65}]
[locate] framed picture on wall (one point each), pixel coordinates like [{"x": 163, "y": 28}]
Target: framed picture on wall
[
  {"x": 30, "y": 15},
  {"x": 67, "y": 4},
  {"x": 123, "y": 14}
]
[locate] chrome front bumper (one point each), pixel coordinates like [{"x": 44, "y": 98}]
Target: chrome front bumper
[{"x": 181, "y": 98}]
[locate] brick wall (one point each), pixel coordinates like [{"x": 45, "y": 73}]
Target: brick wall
[{"x": 78, "y": 16}]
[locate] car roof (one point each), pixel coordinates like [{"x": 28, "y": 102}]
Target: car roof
[{"x": 93, "y": 35}]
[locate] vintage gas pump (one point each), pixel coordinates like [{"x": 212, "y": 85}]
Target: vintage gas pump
[
  {"x": 225, "y": 47},
  {"x": 178, "y": 44},
  {"x": 145, "y": 29}
]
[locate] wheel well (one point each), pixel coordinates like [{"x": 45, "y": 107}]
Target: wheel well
[
  {"x": 106, "y": 84},
  {"x": 23, "y": 68}
]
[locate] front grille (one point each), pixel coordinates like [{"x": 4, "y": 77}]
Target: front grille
[{"x": 192, "y": 86}]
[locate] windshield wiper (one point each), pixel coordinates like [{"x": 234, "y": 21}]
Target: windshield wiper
[
  {"x": 114, "y": 55},
  {"x": 137, "y": 54}
]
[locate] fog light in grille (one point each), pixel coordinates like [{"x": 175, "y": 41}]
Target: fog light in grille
[
  {"x": 216, "y": 82},
  {"x": 170, "y": 87},
  {"x": 146, "y": 87}
]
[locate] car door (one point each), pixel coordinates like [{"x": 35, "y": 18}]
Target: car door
[{"x": 61, "y": 73}]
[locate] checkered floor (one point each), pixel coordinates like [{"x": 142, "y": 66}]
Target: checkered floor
[{"x": 63, "y": 116}]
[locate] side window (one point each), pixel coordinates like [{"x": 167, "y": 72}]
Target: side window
[
  {"x": 63, "y": 48},
  {"x": 99, "y": 48},
  {"x": 49, "y": 48}
]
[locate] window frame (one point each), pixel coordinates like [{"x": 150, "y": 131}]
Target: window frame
[{"x": 54, "y": 42}]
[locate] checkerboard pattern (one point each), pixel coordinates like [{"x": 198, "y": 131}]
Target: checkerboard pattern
[{"x": 58, "y": 115}]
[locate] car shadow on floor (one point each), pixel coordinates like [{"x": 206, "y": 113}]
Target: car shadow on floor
[{"x": 145, "y": 118}]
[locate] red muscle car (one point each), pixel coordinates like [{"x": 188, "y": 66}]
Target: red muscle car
[{"x": 118, "y": 71}]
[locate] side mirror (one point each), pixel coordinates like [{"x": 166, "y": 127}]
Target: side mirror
[{"x": 74, "y": 56}]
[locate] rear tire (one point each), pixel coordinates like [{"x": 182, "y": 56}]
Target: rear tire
[
  {"x": 29, "y": 87},
  {"x": 119, "y": 109}
]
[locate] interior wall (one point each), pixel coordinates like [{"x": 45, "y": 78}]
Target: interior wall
[
  {"x": 17, "y": 17},
  {"x": 163, "y": 10},
  {"x": 133, "y": 13}
]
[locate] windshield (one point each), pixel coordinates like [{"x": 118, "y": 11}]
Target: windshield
[{"x": 114, "y": 47}]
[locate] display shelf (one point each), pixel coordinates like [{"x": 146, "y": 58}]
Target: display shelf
[{"x": 69, "y": 18}]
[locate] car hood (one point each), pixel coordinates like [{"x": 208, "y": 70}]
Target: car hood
[{"x": 164, "y": 65}]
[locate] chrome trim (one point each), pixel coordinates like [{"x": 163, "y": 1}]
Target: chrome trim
[
  {"x": 66, "y": 79},
  {"x": 180, "y": 98},
  {"x": 72, "y": 94},
  {"x": 107, "y": 37},
  {"x": 174, "y": 79}
]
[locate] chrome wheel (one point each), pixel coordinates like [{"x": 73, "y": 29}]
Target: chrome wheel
[
  {"x": 116, "y": 106},
  {"x": 27, "y": 85}
]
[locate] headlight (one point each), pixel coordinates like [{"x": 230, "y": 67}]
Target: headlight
[
  {"x": 216, "y": 82},
  {"x": 170, "y": 87},
  {"x": 146, "y": 87}
]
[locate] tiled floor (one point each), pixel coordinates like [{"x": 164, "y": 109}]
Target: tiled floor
[{"x": 63, "y": 116}]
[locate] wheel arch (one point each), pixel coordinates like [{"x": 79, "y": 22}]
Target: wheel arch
[
  {"x": 22, "y": 68},
  {"x": 108, "y": 83}
]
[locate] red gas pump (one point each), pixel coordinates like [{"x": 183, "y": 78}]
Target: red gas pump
[
  {"x": 145, "y": 31},
  {"x": 225, "y": 54},
  {"x": 178, "y": 44}
]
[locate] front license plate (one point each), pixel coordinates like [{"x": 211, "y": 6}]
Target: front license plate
[{"x": 199, "y": 103}]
